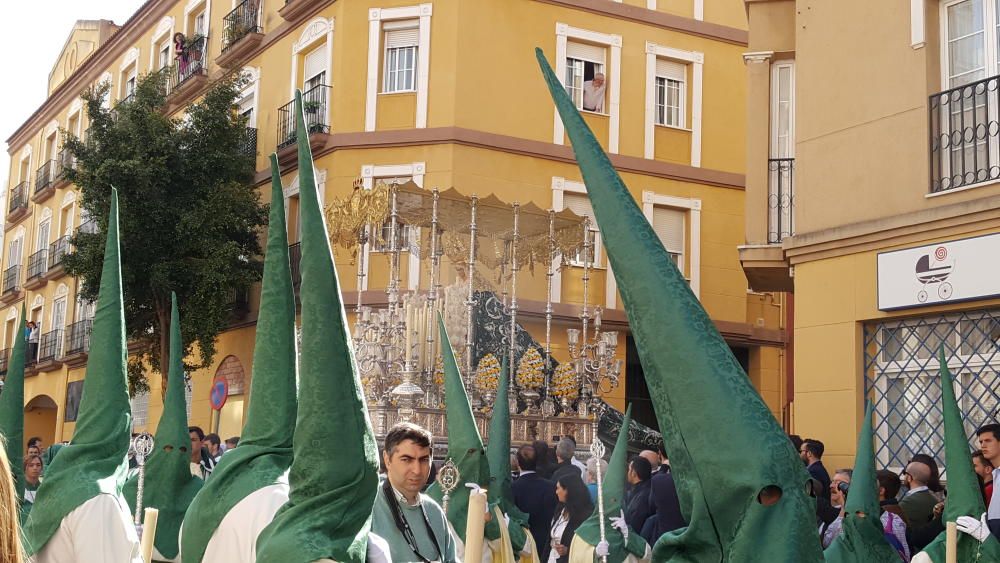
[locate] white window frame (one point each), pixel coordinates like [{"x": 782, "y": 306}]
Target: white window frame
[
  {"x": 318, "y": 31},
  {"x": 18, "y": 238},
  {"x": 415, "y": 171},
  {"x": 69, "y": 200},
  {"x": 773, "y": 151},
  {"x": 991, "y": 53},
  {"x": 698, "y": 8},
  {"x": 293, "y": 191},
  {"x": 692, "y": 230},
  {"x": 11, "y": 316},
  {"x": 559, "y": 187},
  {"x": 376, "y": 16},
  {"x": 193, "y": 6},
  {"x": 602, "y": 68},
  {"x": 695, "y": 60},
  {"x": 162, "y": 35},
  {"x": 44, "y": 221},
  {"x": 385, "y": 62},
  {"x": 252, "y": 91},
  {"x": 612, "y": 73}
]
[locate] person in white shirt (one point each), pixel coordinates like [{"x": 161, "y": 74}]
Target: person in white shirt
[{"x": 593, "y": 94}]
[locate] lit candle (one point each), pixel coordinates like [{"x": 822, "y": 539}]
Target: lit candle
[{"x": 148, "y": 533}]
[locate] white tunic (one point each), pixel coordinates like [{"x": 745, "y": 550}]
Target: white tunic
[
  {"x": 100, "y": 529},
  {"x": 235, "y": 540}
]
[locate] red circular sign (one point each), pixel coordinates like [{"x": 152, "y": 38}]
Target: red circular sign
[
  {"x": 220, "y": 392},
  {"x": 941, "y": 253}
]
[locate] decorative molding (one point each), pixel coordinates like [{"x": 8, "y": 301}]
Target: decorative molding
[
  {"x": 38, "y": 302},
  {"x": 62, "y": 290},
  {"x": 75, "y": 107},
  {"x": 68, "y": 199},
  {"x": 51, "y": 128},
  {"x": 312, "y": 32},
  {"x": 25, "y": 152},
  {"x": 166, "y": 24},
  {"x": 131, "y": 56},
  {"x": 251, "y": 74},
  {"x": 757, "y": 57},
  {"x": 12, "y": 314},
  {"x": 917, "y": 24},
  {"x": 46, "y": 215}
]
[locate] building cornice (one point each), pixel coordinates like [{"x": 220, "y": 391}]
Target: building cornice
[
  {"x": 662, "y": 20},
  {"x": 943, "y": 222},
  {"x": 508, "y": 144}
]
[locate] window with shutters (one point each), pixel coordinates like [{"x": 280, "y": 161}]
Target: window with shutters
[
  {"x": 671, "y": 90},
  {"x": 401, "y": 40},
  {"x": 384, "y": 241},
  {"x": 314, "y": 68},
  {"x": 669, "y": 225},
  {"x": 585, "y": 75},
  {"x": 579, "y": 203}
]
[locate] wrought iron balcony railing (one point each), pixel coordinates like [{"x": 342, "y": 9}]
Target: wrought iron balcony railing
[
  {"x": 78, "y": 337},
  {"x": 240, "y": 22},
  {"x": 57, "y": 251},
  {"x": 191, "y": 62},
  {"x": 965, "y": 135},
  {"x": 780, "y": 199},
  {"x": 315, "y": 102},
  {"x": 294, "y": 259},
  {"x": 11, "y": 279},
  {"x": 38, "y": 264},
  {"x": 18, "y": 197},
  {"x": 89, "y": 227},
  {"x": 63, "y": 163},
  {"x": 45, "y": 176},
  {"x": 4, "y": 358},
  {"x": 49, "y": 345}
]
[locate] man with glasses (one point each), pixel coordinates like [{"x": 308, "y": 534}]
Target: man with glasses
[
  {"x": 413, "y": 525},
  {"x": 811, "y": 452}
]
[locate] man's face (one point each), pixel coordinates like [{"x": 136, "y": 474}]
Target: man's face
[
  {"x": 408, "y": 467},
  {"x": 982, "y": 470},
  {"x": 632, "y": 477},
  {"x": 195, "y": 447},
  {"x": 990, "y": 446},
  {"x": 803, "y": 453},
  {"x": 598, "y": 80},
  {"x": 33, "y": 450}
]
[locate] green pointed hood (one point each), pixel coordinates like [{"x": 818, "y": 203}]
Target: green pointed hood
[
  {"x": 334, "y": 472},
  {"x": 12, "y": 407},
  {"x": 862, "y": 539},
  {"x": 500, "y": 491},
  {"x": 965, "y": 498},
  {"x": 95, "y": 461},
  {"x": 465, "y": 446},
  {"x": 265, "y": 451},
  {"x": 613, "y": 493},
  {"x": 169, "y": 485},
  {"x": 726, "y": 522}
]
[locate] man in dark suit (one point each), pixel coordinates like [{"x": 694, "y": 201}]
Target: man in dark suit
[
  {"x": 534, "y": 496},
  {"x": 637, "y": 505},
  {"x": 811, "y": 452},
  {"x": 665, "y": 504}
]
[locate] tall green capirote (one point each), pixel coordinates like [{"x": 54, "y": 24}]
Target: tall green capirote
[
  {"x": 12, "y": 407},
  {"x": 693, "y": 377},
  {"x": 613, "y": 493},
  {"x": 169, "y": 487},
  {"x": 265, "y": 451},
  {"x": 465, "y": 446},
  {"x": 862, "y": 539},
  {"x": 95, "y": 462},
  {"x": 334, "y": 472},
  {"x": 965, "y": 498},
  {"x": 500, "y": 491}
]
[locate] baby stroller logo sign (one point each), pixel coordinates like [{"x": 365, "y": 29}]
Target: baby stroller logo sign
[
  {"x": 949, "y": 272},
  {"x": 933, "y": 273}
]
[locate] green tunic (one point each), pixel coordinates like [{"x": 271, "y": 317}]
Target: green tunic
[{"x": 384, "y": 525}]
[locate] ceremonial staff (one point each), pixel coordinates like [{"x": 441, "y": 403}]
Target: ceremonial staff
[
  {"x": 597, "y": 450},
  {"x": 142, "y": 446},
  {"x": 448, "y": 477}
]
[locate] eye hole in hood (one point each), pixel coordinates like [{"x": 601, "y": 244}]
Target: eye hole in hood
[{"x": 769, "y": 495}]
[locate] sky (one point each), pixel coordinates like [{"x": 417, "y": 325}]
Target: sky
[{"x": 32, "y": 34}]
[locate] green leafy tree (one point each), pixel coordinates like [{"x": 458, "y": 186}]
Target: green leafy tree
[{"x": 190, "y": 216}]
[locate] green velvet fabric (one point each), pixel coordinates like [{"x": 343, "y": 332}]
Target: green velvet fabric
[
  {"x": 500, "y": 491},
  {"x": 95, "y": 461},
  {"x": 613, "y": 493},
  {"x": 169, "y": 485},
  {"x": 465, "y": 446},
  {"x": 265, "y": 450},
  {"x": 334, "y": 471},
  {"x": 688, "y": 365},
  {"x": 12, "y": 408},
  {"x": 862, "y": 539},
  {"x": 965, "y": 498}
]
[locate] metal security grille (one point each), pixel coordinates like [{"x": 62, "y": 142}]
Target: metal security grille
[{"x": 901, "y": 376}]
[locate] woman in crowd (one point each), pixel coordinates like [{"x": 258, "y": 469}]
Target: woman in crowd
[
  {"x": 574, "y": 507},
  {"x": 10, "y": 517}
]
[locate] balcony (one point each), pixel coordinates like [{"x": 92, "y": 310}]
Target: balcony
[
  {"x": 294, "y": 259},
  {"x": 49, "y": 351},
  {"x": 64, "y": 162},
  {"x": 249, "y": 146},
  {"x": 57, "y": 251},
  {"x": 4, "y": 359},
  {"x": 88, "y": 227},
  {"x": 241, "y": 35},
  {"x": 189, "y": 76},
  {"x": 38, "y": 264},
  {"x": 77, "y": 343},
  {"x": 295, "y": 11},
  {"x": 18, "y": 205},
  {"x": 45, "y": 182},
  {"x": 964, "y": 138},
  {"x": 315, "y": 102},
  {"x": 763, "y": 258},
  {"x": 11, "y": 285},
  {"x": 238, "y": 304}
]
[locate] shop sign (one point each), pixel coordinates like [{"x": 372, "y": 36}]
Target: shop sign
[{"x": 946, "y": 272}]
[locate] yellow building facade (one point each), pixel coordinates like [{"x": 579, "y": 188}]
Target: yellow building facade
[
  {"x": 872, "y": 194},
  {"x": 446, "y": 94}
]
